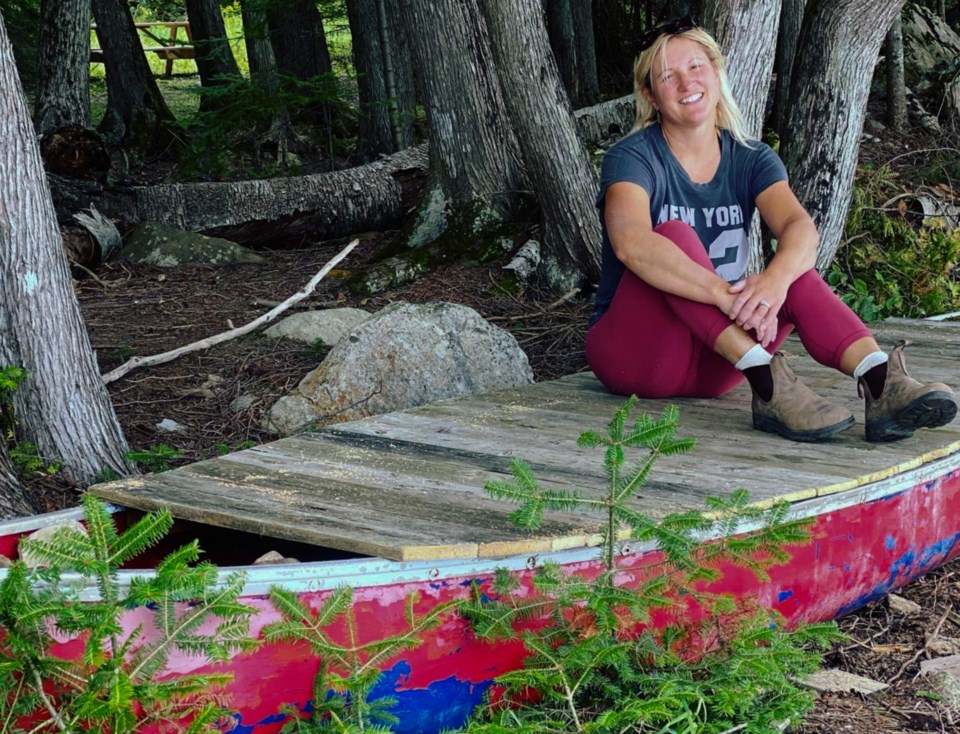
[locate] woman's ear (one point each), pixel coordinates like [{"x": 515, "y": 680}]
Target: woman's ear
[{"x": 648, "y": 95}]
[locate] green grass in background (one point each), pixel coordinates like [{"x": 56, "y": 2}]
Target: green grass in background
[{"x": 182, "y": 90}]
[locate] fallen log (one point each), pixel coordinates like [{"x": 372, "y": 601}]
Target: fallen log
[{"x": 326, "y": 205}]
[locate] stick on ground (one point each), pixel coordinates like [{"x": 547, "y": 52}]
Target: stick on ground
[{"x": 163, "y": 358}]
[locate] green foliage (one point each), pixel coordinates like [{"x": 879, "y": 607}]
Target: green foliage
[
  {"x": 155, "y": 459},
  {"x": 21, "y": 18},
  {"x": 10, "y": 379},
  {"x": 347, "y": 673},
  {"x": 223, "y": 448},
  {"x": 593, "y": 664},
  {"x": 888, "y": 266},
  {"x": 230, "y": 139},
  {"x": 26, "y": 457},
  {"x": 115, "y": 685}
]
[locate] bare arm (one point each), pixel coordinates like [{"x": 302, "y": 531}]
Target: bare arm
[
  {"x": 760, "y": 297},
  {"x": 653, "y": 257}
]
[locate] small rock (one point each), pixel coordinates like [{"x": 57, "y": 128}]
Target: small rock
[
  {"x": 899, "y": 605},
  {"x": 944, "y": 675},
  {"x": 840, "y": 681},
  {"x": 272, "y": 558},
  {"x": 29, "y": 557},
  {"x": 171, "y": 426},
  {"x": 941, "y": 646},
  {"x": 329, "y": 325},
  {"x": 242, "y": 403}
]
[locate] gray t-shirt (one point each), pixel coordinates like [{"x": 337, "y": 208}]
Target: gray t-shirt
[{"x": 719, "y": 211}]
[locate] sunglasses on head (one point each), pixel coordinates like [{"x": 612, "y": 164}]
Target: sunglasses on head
[{"x": 670, "y": 28}]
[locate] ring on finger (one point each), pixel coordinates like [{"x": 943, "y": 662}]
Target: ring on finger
[{"x": 764, "y": 302}]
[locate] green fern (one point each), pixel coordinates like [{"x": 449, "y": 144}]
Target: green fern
[{"x": 114, "y": 686}]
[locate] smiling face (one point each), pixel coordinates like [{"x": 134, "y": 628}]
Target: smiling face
[{"x": 684, "y": 85}]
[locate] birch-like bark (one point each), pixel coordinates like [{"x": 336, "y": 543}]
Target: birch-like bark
[
  {"x": 14, "y": 500},
  {"x": 747, "y": 32},
  {"x": 61, "y": 406},
  {"x": 560, "y": 172},
  {"x": 832, "y": 71},
  {"x": 63, "y": 65},
  {"x": 472, "y": 141}
]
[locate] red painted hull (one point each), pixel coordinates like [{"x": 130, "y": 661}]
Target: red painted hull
[{"x": 866, "y": 542}]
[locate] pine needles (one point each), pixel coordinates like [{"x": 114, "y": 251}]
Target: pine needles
[
  {"x": 115, "y": 686},
  {"x": 595, "y": 663}
]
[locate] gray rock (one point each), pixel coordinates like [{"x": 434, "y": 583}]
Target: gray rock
[
  {"x": 157, "y": 244},
  {"x": 403, "y": 356},
  {"x": 329, "y": 325},
  {"x": 31, "y": 559},
  {"x": 930, "y": 45},
  {"x": 171, "y": 426},
  {"x": 290, "y": 414},
  {"x": 242, "y": 403}
]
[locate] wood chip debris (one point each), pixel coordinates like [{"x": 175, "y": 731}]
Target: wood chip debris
[
  {"x": 840, "y": 681},
  {"x": 899, "y": 605}
]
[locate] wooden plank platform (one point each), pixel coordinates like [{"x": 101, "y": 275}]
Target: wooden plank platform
[{"x": 408, "y": 485}]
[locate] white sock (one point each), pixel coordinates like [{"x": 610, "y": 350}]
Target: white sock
[
  {"x": 756, "y": 356},
  {"x": 868, "y": 363}
]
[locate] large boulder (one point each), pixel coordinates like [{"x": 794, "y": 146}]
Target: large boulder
[
  {"x": 930, "y": 46},
  {"x": 402, "y": 356},
  {"x": 329, "y": 326},
  {"x": 158, "y": 244}
]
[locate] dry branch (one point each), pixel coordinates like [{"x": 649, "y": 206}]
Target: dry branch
[{"x": 163, "y": 358}]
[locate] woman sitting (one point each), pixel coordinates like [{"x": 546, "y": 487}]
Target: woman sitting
[{"x": 676, "y": 314}]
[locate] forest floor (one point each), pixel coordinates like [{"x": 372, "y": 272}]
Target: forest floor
[{"x": 133, "y": 309}]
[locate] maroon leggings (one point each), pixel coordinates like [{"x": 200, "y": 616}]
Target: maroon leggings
[{"x": 656, "y": 345}]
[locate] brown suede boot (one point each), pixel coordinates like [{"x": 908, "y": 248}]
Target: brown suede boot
[
  {"x": 905, "y": 404},
  {"x": 795, "y": 411}
]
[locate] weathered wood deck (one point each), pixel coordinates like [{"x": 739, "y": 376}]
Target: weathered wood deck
[{"x": 408, "y": 485}]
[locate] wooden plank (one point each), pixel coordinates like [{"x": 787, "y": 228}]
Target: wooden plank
[{"x": 408, "y": 485}]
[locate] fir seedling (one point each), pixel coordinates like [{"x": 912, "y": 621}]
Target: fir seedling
[
  {"x": 594, "y": 665},
  {"x": 347, "y": 673},
  {"x": 155, "y": 459},
  {"x": 114, "y": 685}
]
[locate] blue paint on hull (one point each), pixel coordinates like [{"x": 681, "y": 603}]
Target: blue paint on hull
[
  {"x": 444, "y": 704},
  {"x": 905, "y": 568}
]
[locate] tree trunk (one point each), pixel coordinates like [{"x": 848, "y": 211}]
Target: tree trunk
[
  {"x": 14, "y": 500},
  {"x": 63, "y": 65},
  {"x": 896, "y": 86},
  {"x": 836, "y": 55},
  {"x": 471, "y": 139},
  {"x": 614, "y": 54},
  {"x": 563, "y": 43},
  {"x": 587, "y": 88},
  {"x": 215, "y": 62},
  {"x": 338, "y": 203},
  {"x": 383, "y": 79},
  {"x": 747, "y": 33},
  {"x": 399, "y": 65},
  {"x": 137, "y": 118},
  {"x": 558, "y": 167},
  {"x": 263, "y": 73},
  {"x": 791, "y": 21},
  {"x": 62, "y": 406},
  {"x": 300, "y": 47}
]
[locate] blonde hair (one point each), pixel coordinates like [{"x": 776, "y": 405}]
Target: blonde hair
[{"x": 729, "y": 116}]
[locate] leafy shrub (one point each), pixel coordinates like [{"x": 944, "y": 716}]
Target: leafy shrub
[{"x": 890, "y": 267}]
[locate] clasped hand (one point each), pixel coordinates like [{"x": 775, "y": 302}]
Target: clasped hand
[{"x": 757, "y": 302}]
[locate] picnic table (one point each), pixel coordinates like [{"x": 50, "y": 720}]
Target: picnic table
[{"x": 163, "y": 33}]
